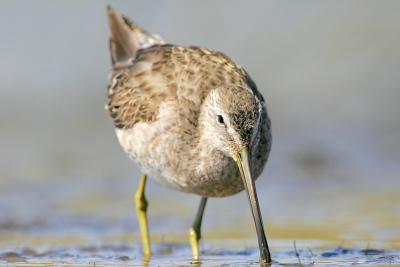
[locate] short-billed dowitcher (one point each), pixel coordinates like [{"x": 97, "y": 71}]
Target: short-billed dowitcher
[{"x": 190, "y": 117}]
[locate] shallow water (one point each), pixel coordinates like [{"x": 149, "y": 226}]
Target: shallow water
[
  {"x": 87, "y": 231},
  {"x": 169, "y": 254}
]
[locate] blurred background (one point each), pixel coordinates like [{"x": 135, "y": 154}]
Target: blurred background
[{"x": 328, "y": 70}]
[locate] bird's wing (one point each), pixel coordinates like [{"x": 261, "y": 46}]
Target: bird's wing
[
  {"x": 136, "y": 91},
  {"x": 147, "y": 72},
  {"x": 167, "y": 73}
]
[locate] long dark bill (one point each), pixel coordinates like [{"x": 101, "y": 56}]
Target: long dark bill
[{"x": 243, "y": 164}]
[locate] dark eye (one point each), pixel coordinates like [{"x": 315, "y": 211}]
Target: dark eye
[{"x": 220, "y": 119}]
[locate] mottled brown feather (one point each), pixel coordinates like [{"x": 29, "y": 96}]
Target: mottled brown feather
[{"x": 164, "y": 73}]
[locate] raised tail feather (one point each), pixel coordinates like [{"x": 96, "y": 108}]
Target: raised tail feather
[{"x": 126, "y": 37}]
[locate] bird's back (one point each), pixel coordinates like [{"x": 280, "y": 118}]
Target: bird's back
[{"x": 163, "y": 73}]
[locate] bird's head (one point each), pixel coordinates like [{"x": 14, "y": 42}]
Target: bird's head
[{"x": 231, "y": 117}]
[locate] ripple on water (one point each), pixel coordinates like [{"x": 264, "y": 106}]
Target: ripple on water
[{"x": 170, "y": 254}]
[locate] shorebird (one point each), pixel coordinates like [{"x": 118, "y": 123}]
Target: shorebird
[{"x": 190, "y": 117}]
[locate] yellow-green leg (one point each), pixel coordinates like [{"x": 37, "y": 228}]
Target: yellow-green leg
[
  {"x": 141, "y": 210},
  {"x": 195, "y": 230}
]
